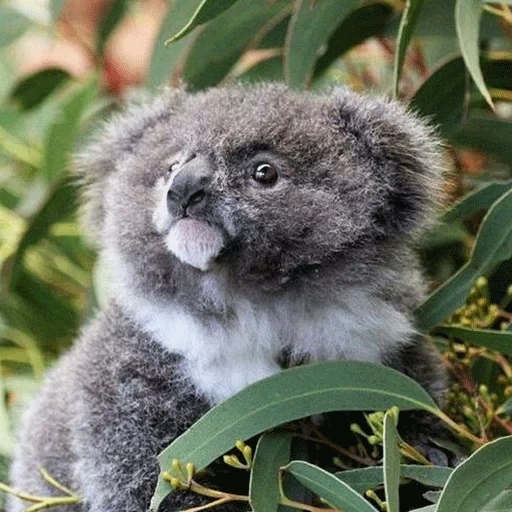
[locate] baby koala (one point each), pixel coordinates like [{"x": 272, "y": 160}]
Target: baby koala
[{"x": 240, "y": 224}]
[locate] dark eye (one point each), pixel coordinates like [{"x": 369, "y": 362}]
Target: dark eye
[{"x": 265, "y": 174}]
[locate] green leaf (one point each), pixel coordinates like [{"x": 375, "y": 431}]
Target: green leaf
[
  {"x": 429, "y": 508},
  {"x": 479, "y": 479},
  {"x": 291, "y": 394},
  {"x": 361, "y": 24},
  {"x": 201, "y": 11},
  {"x": 12, "y": 25},
  {"x": 56, "y": 7},
  {"x": 441, "y": 96},
  {"x": 62, "y": 132},
  {"x": 110, "y": 20},
  {"x": 502, "y": 503},
  {"x": 266, "y": 70},
  {"x": 223, "y": 40},
  {"x": 477, "y": 200},
  {"x": 467, "y": 22},
  {"x": 405, "y": 31},
  {"x": 272, "y": 452},
  {"x": 391, "y": 464},
  {"x": 500, "y": 341},
  {"x": 486, "y": 133},
  {"x": 370, "y": 478},
  {"x": 311, "y": 27},
  {"x": 165, "y": 60},
  {"x": 34, "y": 89},
  {"x": 493, "y": 245},
  {"x": 6, "y": 436},
  {"x": 505, "y": 407},
  {"x": 59, "y": 203},
  {"x": 335, "y": 492}
]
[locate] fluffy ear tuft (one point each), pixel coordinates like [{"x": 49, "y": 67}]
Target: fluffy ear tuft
[
  {"x": 115, "y": 139},
  {"x": 405, "y": 156}
]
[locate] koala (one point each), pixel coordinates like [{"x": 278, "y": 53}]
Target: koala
[{"x": 247, "y": 228}]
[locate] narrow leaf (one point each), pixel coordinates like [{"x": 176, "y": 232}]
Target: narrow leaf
[
  {"x": 60, "y": 202},
  {"x": 369, "y": 478},
  {"x": 441, "y": 96},
  {"x": 201, "y": 11},
  {"x": 361, "y": 24},
  {"x": 500, "y": 341},
  {"x": 223, "y": 41},
  {"x": 272, "y": 452},
  {"x": 391, "y": 464},
  {"x": 56, "y": 7},
  {"x": 477, "y": 200},
  {"x": 493, "y": 245},
  {"x": 110, "y": 20},
  {"x": 479, "y": 479},
  {"x": 166, "y": 60},
  {"x": 62, "y": 132},
  {"x": 34, "y": 89},
  {"x": 6, "y": 436},
  {"x": 311, "y": 27},
  {"x": 467, "y": 22},
  {"x": 335, "y": 492},
  {"x": 12, "y": 25},
  {"x": 502, "y": 503},
  {"x": 287, "y": 396},
  {"x": 407, "y": 23}
]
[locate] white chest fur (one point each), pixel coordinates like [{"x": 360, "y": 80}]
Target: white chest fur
[{"x": 222, "y": 358}]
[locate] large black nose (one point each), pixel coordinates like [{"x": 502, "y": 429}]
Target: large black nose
[{"x": 189, "y": 186}]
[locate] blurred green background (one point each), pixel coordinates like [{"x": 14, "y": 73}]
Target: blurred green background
[{"x": 65, "y": 65}]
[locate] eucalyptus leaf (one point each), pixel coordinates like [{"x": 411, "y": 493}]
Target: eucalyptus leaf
[
  {"x": 287, "y": 396},
  {"x": 502, "y": 503},
  {"x": 201, "y": 11},
  {"x": 467, "y": 22},
  {"x": 6, "y": 436},
  {"x": 480, "y": 199},
  {"x": 407, "y": 23},
  {"x": 372, "y": 477},
  {"x": 56, "y": 7},
  {"x": 493, "y": 245},
  {"x": 335, "y": 492},
  {"x": 223, "y": 40},
  {"x": 59, "y": 203},
  {"x": 166, "y": 60},
  {"x": 12, "y": 25},
  {"x": 63, "y": 131},
  {"x": 365, "y": 22},
  {"x": 34, "y": 89},
  {"x": 479, "y": 479},
  {"x": 311, "y": 27},
  {"x": 500, "y": 341},
  {"x": 109, "y": 22},
  {"x": 272, "y": 452},
  {"x": 391, "y": 464}
]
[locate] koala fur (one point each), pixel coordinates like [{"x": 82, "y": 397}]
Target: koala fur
[{"x": 209, "y": 293}]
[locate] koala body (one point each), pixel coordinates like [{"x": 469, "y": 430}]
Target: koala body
[{"x": 240, "y": 224}]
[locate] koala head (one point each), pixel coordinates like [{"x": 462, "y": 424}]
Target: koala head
[{"x": 259, "y": 183}]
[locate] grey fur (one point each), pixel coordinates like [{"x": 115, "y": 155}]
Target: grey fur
[{"x": 358, "y": 185}]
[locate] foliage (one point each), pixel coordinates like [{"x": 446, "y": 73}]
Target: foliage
[{"x": 452, "y": 61}]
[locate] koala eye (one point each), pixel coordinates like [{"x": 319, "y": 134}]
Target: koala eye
[
  {"x": 173, "y": 167},
  {"x": 265, "y": 174}
]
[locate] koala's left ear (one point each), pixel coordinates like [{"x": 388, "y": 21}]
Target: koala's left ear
[
  {"x": 111, "y": 143},
  {"x": 403, "y": 158}
]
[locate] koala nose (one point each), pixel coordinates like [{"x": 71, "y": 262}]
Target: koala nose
[{"x": 188, "y": 187}]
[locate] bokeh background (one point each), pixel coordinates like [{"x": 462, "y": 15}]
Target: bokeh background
[{"x": 67, "y": 64}]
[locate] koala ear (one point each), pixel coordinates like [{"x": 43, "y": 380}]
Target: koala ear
[
  {"x": 403, "y": 158},
  {"x": 114, "y": 140}
]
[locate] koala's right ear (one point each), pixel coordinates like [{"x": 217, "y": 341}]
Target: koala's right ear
[{"x": 114, "y": 140}]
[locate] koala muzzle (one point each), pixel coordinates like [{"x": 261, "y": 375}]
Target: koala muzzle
[{"x": 189, "y": 187}]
